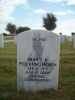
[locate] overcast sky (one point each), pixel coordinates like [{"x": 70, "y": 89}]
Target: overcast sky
[{"x": 30, "y": 13}]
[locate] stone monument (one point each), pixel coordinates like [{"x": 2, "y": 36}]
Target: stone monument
[
  {"x": 1, "y": 41},
  {"x": 38, "y": 54}
]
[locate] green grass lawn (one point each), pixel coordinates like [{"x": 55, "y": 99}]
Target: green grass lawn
[
  {"x": 7, "y": 37},
  {"x": 8, "y": 69}
]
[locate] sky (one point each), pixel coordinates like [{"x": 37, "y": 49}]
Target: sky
[{"x": 31, "y": 12}]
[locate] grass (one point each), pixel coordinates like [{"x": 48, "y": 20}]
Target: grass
[
  {"x": 66, "y": 88},
  {"x": 7, "y": 37}
]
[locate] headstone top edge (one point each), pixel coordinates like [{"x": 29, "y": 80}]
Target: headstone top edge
[{"x": 38, "y": 31}]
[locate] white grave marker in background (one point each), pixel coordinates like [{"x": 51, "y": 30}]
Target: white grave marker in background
[
  {"x": 69, "y": 38},
  {"x": 1, "y": 41},
  {"x": 37, "y": 60},
  {"x": 62, "y": 38},
  {"x": 74, "y": 40}
]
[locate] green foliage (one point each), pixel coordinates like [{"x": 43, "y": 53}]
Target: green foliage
[
  {"x": 49, "y": 22},
  {"x": 22, "y": 29},
  {"x": 60, "y": 33},
  {"x": 5, "y": 34},
  {"x": 11, "y": 28},
  {"x": 72, "y": 33}
]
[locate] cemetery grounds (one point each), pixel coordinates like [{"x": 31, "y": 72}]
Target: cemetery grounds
[{"x": 8, "y": 75}]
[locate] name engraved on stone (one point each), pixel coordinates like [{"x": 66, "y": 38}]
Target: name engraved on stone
[{"x": 37, "y": 60}]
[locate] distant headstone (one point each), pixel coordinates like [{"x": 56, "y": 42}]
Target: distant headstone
[
  {"x": 37, "y": 60},
  {"x": 74, "y": 40},
  {"x": 69, "y": 38},
  {"x": 1, "y": 41},
  {"x": 14, "y": 39},
  {"x": 62, "y": 39}
]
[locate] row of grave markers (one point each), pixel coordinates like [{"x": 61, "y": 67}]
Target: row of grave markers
[
  {"x": 38, "y": 54},
  {"x": 1, "y": 41},
  {"x": 62, "y": 40}
]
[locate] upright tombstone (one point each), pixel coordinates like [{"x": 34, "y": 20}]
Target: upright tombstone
[
  {"x": 74, "y": 40},
  {"x": 37, "y": 60},
  {"x": 69, "y": 38},
  {"x": 14, "y": 39},
  {"x": 62, "y": 39},
  {"x": 1, "y": 41}
]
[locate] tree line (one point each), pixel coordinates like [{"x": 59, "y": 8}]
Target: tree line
[{"x": 49, "y": 23}]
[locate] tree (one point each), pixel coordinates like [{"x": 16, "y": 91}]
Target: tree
[
  {"x": 60, "y": 33},
  {"x": 4, "y": 34},
  {"x": 49, "y": 22},
  {"x": 21, "y": 29},
  {"x": 72, "y": 33},
  {"x": 11, "y": 28}
]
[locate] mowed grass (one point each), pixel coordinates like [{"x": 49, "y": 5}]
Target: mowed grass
[
  {"x": 8, "y": 77},
  {"x": 7, "y": 37}
]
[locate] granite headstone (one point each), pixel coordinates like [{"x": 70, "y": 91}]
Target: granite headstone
[
  {"x": 37, "y": 60},
  {"x": 62, "y": 39},
  {"x": 1, "y": 41},
  {"x": 74, "y": 40}
]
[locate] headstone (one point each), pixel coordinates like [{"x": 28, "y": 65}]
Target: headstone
[
  {"x": 14, "y": 39},
  {"x": 1, "y": 41},
  {"x": 74, "y": 40},
  {"x": 69, "y": 38},
  {"x": 37, "y": 60},
  {"x": 62, "y": 39}
]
